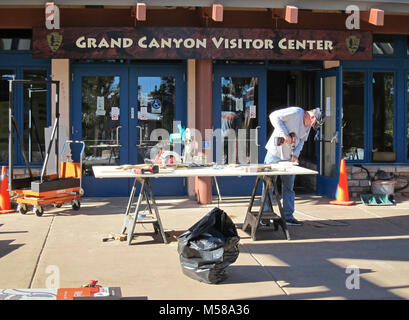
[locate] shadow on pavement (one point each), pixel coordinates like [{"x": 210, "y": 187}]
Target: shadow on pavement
[
  {"x": 320, "y": 267},
  {"x": 6, "y": 247}
]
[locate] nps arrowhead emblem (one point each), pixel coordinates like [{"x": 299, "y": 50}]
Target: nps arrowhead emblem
[
  {"x": 352, "y": 43},
  {"x": 54, "y": 40}
]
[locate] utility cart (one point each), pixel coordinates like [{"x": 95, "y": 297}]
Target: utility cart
[
  {"x": 66, "y": 188},
  {"x": 65, "y": 185}
]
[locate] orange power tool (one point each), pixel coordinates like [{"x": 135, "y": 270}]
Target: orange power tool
[{"x": 150, "y": 169}]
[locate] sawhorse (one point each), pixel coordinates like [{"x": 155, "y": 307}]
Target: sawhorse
[
  {"x": 253, "y": 218},
  {"x": 130, "y": 221}
]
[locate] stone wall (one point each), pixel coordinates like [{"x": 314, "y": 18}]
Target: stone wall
[{"x": 358, "y": 182}]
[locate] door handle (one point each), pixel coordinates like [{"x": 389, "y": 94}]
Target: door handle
[
  {"x": 257, "y": 136},
  {"x": 117, "y": 134},
  {"x": 140, "y": 135},
  {"x": 334, "y": 139}
]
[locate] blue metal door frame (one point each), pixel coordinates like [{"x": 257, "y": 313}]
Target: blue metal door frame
[
  {"x": 398, "y": 64},
  {"x": 128, "y": 132},
  {"x": 168, "y": 186},
  {"x": 18, "y": 61},
  {"x": 405, "y": 113},
  {"x": 243, "y": 185},
  {"x": 326, "y": 185},
  {"x": 91, "y": 185},
  {"x": 400, "y": 70}
]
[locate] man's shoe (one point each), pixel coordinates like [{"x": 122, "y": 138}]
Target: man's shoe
[
  {"x": 265, "y": 222},
  {"x": 293, "y": 222}
]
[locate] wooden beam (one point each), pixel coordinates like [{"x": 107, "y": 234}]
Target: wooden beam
[
  {"x": 140, "y": 11},
  {"x": 217, "y": 12},
  {"x": 376, "y": 17},
  {"x": 328, "y": 64},
  {"x": 291, "y": 14}
]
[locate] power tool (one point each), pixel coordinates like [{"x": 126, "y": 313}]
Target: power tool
[
  {"x": 150, "y": 169},
  {"x": 278, "y": 141}
]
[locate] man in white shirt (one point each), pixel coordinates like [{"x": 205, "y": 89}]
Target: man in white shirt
[{"x": 291, "y": 129}]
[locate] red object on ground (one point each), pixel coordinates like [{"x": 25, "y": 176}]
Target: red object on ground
[{"x": 5, "y": 205}]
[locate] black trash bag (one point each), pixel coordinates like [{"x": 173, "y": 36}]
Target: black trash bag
[{"x": 209, "y": 247}]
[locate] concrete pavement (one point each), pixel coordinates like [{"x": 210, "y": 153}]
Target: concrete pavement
[{"x": 365, "y": 248}]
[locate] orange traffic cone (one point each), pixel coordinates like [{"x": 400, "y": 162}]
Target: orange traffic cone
[
  {"x": 342, "y": 192},
  {"x": 5, "y": 206}
]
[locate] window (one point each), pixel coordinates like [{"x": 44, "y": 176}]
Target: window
[
  {"x": 407, "y": 131},
  {"x": 407, "y": 45},
  {"x": 239, "y": 114},
  {"x": 156, "y": 112},
  {"x": 383, "y": 113},
  {"x": 383, "y": 44},
  {"x": 353, "y": 119},
  {"x": 100, "y": 120},
  {"x": 35, "y": 115},
  {"x": 30, "y": 121},
  {"x": 4, "y": 111},
  {"x": 15, "y": 39}
]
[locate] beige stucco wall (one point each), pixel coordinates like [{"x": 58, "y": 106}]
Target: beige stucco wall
[{"x": 60, "y": 70}]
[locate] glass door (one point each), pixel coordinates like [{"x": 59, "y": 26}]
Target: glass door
[
  {"x": 330, "y": 87},
  {"x": 99, "y": 118},
  {"x": 158, "y": 106},
  {"x": 5, "y": 75},
  {"x": 36, "y": 114},
  {"x": 239, "y": 122}
]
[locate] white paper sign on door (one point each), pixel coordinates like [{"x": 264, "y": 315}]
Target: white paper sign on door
[
  {"x": 114, "y": 113},
  {"x": 239, "y": 104},
  {"x": 100, "y": 106},
  {"x": 143, "y": 114},
  {"x": 253, "y": 113},
  {"x": 143, "y": 99}
]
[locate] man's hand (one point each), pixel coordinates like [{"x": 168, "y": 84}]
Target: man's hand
[
  {"x": 288, "y": 140},
  {"x": 294, "y": 159}
]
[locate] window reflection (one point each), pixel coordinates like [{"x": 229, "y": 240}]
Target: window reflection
[
  {"x": 156, "y": 110},
  {"x": 353, "y": 111},
  {"x": 407, "y": 132},
  {"x": 15, "y": 39},
  {"x": 407, "y": 50},
  {"x": 5, "y": 44},
  {"x": 383, "y": 111},
  {"x": 15, "y": 44},
  {"x": 4, "y": 111},
  {"x": 383, "y": 44},
  {"x": 35, "y": 115},
  {"x": 24, "y": 44},
  {"x": 238, "y": 111},
  {"x": 100, "y": 120}
]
